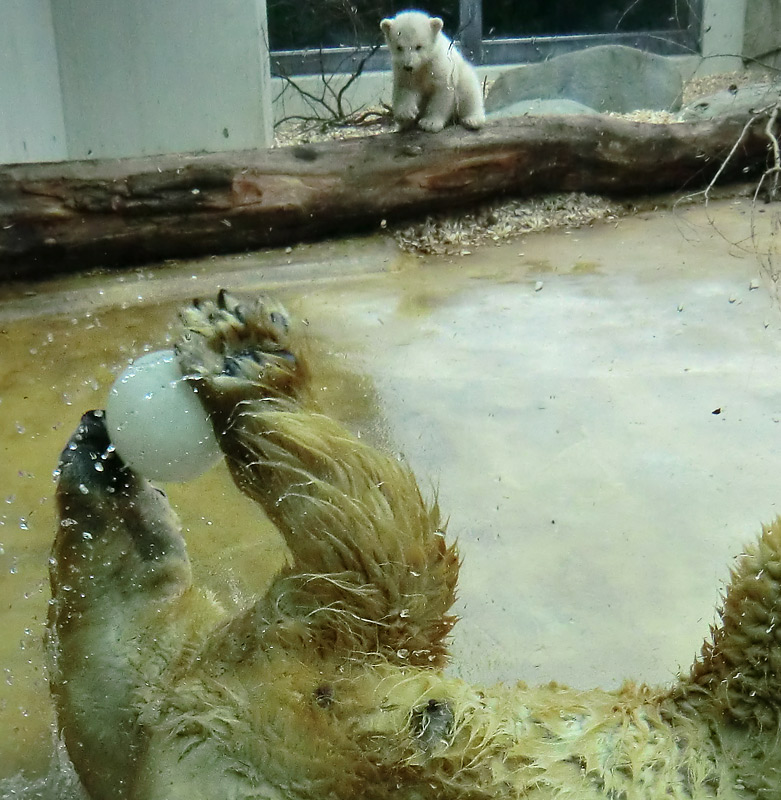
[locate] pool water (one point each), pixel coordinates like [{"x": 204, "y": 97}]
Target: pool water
[{"x": 599, "y": 411}]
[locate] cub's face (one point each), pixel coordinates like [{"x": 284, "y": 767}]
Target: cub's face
[{"x": 411, "y": 37}]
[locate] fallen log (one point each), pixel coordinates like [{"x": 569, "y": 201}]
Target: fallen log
[{"x": 73, "y": 215}]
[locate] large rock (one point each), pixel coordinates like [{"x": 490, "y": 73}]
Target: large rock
[
  {"x": 744, "y": 101},
  {"x": 605, "y": 78}
]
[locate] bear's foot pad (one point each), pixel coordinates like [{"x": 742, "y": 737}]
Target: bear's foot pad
[{"x": 229, "y": 345}]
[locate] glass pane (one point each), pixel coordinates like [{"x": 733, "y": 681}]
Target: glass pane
[
  {"x": 312, "y": 24},
  {"x": 561, "y": 17}
]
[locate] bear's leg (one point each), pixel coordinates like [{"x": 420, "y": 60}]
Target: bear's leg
[
  {"x": 371, "y": 568},
  {"x": 738, "y": 674},
  {"x": 470, "y": 110},
  {"x": 118, "y": 571},
  {"x": 405, "y": 102},
  {"x": 439, "y": 109}
]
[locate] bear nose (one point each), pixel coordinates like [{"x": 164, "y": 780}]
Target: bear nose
[{"x": 408, "y": 67}]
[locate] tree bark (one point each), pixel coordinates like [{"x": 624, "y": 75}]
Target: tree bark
[{"x": 74, "y": 215}]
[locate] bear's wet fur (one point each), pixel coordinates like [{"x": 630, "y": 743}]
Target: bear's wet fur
[{"x": 330, "y": 685}]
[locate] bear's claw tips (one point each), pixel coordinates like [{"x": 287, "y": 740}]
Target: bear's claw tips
[
  {"x": 280, "y": 320},
  {"x": 221, "y": 299}
]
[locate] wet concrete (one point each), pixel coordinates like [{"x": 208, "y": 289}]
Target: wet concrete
[{"x": 599, "y": 411}]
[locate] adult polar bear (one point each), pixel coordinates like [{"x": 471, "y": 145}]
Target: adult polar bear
[
  {"x": 432, "y": 82},
  {"x": 329, "y": 686}
]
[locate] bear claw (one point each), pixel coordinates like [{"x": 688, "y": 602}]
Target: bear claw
[{"x": 229, "y": 348}]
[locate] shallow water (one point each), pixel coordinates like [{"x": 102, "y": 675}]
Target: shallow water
[{"x": 560, "y": 393}]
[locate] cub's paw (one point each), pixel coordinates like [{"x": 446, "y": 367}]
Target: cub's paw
[
  {"x": 233, "y": 351},
  {"x": 473, "y": 122},
  {"x": 431, "y": 124},
  {"x": 406, "y": 113}
]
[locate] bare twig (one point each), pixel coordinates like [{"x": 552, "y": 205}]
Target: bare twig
[
  {"x": 776, "y": 168},
  {"x": 357, "y": 72}
]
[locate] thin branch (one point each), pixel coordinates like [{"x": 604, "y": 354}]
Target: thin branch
[
  {"x": 776, "y": 168},
  {"x": 354, "y": 77}
]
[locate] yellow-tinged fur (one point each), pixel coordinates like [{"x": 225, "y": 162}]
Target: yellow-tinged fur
[{"x": 330, "y": 685}]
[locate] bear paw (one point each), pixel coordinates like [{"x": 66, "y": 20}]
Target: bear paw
[
  {"x": 405, "y": 113},
  {"x": 431, "y": 124},
  {"x": 238, "y": 352},
  {"x": 473, "y": 122}
]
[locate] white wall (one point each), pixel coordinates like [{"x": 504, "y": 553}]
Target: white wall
[
  {"x": 763, "y": 31},
  {"x": 31, "y": 119},
  {"x": 141, "y": 77},
  {"x": 723, "y": 23}
]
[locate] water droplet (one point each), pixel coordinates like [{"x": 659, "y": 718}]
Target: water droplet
[
  {"x": 19, "y": 427},
  {"x": 404, "y": 613},
  {"x": 83, "y": 489},
  {"x": 98, "y": 466},
  {"x": 67, "y": 522},
  {"x": 86, "y": 535},
  {"x": 10, "y": 499},
  {"x": 23, "y": 524},
  {"x": 402, "y": 653}
]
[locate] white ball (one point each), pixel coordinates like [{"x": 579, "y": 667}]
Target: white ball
[{"x": 157, "y": 423}]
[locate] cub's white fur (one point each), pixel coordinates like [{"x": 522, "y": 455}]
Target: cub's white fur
[{"x": 432, "y": 82}]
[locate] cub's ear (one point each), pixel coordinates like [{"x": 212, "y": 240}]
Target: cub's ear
[
  {"x": 436, "y": 25},
  {"x": 386, "y": 26}
]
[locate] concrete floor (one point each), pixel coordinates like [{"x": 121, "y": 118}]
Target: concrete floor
[{"x": 598, "y": 409}]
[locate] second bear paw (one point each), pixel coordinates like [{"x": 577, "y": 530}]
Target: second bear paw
[
  {"x": 232, "y": 347},
  {"x": 431, "y": 124},
  {"x": 473, "y": 122},
  {"x": 406, "y": 115}
]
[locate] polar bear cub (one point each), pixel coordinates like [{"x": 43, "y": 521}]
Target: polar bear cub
[{"x": 432, "y": 82}]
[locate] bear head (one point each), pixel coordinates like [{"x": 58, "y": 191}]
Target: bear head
[{"x": 412, "y": 37}]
